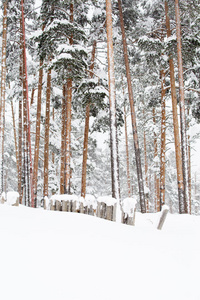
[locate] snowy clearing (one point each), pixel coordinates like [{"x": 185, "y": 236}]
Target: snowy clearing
[{"x": 54, "y": 255}]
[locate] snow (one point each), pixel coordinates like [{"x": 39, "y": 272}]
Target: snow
[
  {"x": 12, "y": 197},
  {"x": 146, "y": 189},
  {"x": 88, "y": 201},
  {"x": 56, "y": 255},
  {"x": 59, "y": 255},
  {"x": 108, "y": 200},
  {"x": 128, "y": 206},
  {"x": 63, "y": 197}
]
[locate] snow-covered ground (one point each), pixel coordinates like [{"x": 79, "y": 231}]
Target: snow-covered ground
[{"x": 48, "y": 255}]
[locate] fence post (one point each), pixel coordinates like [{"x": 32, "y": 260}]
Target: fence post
[
  {"x": 165, "y": 210},
  {"x": 128, "y": 211}
]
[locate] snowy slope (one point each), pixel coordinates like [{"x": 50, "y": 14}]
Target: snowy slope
[{"x": 48, "y": 255}]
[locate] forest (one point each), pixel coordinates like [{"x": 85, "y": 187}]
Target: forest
[{"x": 101, "y": 98}]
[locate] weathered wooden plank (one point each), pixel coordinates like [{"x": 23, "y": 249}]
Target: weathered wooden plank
[
  {"x": 64, "y": 205},
  {"x": 58, "y": 205},
  {"x": 52, "y": 205},
  {"x": 109, "y": 213},
  {"x": 163, "y": 217},
  {"x": 73, "y": 206}
]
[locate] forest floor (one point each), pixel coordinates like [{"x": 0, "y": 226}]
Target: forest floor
[{"x": 50, "y": 255}]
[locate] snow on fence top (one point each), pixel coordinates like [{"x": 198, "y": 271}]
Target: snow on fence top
[
  {"x": 63, "y": 197},
  {"x": 88, "y": 201},
  {"x": 108, "y": 200},
  {"x": 128, "y": 206},
  {"x": 12, "y": 197}
]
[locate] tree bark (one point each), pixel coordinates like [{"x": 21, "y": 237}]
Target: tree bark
[
  {"x": 63, "y": 141},
  {"x": 86, "y": 133},
  {"x": 133, "y": 115},
  {"x": 37, "y": 135},
  {"x": 68, "y": 137},
  {"x": 146, "y": 167},
  {"x": 163, "y": 141},
  {"x": 26, "y": 183},
  {"x": 27, "y": 100},
  {"x": 15, "y": 137},
  {"x": 112, "y": 101},
  {"x": 189, "y": 166},
  {"x": 182, "y": 106},
  {"x": 32, "y": 95},
  {"x": 68, "y": 120},
  {"x": 179, "y": 167},
  {"x": 47, "y": 125},
  {"x": 3, "y": 90},
  {"x": 156, "y": 177},
  {"x": 127, "y": 153},
  {"x": 20, "y": 133}
]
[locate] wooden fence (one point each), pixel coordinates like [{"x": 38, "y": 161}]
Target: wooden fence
[{"x": 102, "y": 207}]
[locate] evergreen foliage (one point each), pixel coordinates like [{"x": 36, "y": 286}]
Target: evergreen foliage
[{"x": 48, "y": 33}]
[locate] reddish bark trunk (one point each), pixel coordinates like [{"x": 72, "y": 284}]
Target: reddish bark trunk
[
  {"x": 133, "y": 115},
  {"x": 63, "y": 143},
  {"x": 15, "y": 137},
  {"x": 86, "y": 133},
  {"x": 47, "y": 125},
  {"x": 68, "y": 120},
  {"x": 175, "y": 123},
  {"x": 156, "y": 177}
]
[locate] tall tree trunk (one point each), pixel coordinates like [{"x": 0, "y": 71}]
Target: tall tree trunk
[
  {"x": 3, "y": 89},
  {"x": 156, "y": 177},
  {"x": 68, "y": 137},
  {"x": 127, "y": 153},
  {"x": 68, "y": 120},
  {"x": 163, "y": 141},
  {"x": 133, "y": 115},
  {"x": 182, "y": 105},
  {"x": 53, "y": 154},
  {"x": 112, "y": 101},
  {"x": 46, "y": 143},
  {"x": 27, "y": 100},
  {"x": 146, "y": 168},
  {"x": 63, "y": 141},
  {"x": 20, "y": 134},
  {"x": 25, "y": 143},
  {"x": 86, "y": 132},
  {"x": 179, "y": 167},
  {"x": 32, "y": 95},
  {"x": 37, "y": 132},
  {"x": 146, "y": 171},
  {"x": 189, "y": 166},
  {"x": 15, "y": 137}
]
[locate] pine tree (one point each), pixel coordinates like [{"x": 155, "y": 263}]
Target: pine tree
[
  {"x": 85, "y": 144},
  {"x": 175, "y": 123},
  {"x": 112, "y": 100},
  {"x": 133, "y": 115}
]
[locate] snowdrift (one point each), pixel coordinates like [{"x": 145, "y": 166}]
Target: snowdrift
[{"x": 59, "y": 255}]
